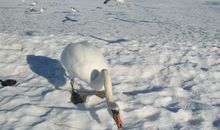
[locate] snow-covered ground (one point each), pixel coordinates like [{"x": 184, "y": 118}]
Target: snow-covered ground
[{"x": 164, "y": 57}]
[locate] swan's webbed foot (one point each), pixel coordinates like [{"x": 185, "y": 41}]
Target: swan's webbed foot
[
  {"x": 75, "y": 96},
  {"x": 100, "y": 94}
]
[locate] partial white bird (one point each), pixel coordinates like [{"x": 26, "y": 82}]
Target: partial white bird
[
  {"x": 42, "y": 9},
  {"x": 34, "y": 3},
  {"x": 74, "y": 9},
  {"x": 118, "y": 1},
  {"x": 86, "y": 62}
]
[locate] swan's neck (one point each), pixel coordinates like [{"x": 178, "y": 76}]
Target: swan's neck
[{"x": 107, "y": 85}]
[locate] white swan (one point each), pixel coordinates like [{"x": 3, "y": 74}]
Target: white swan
[{"x": 84, "y": 61}]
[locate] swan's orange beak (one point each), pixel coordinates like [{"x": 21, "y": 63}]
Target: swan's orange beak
[{"x": 118, "y": 120}]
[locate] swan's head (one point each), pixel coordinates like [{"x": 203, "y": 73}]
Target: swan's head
[{"x": 114, "y": 112}]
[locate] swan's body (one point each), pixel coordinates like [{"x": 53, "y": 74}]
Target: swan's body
[{"x": 86, "y": 62}]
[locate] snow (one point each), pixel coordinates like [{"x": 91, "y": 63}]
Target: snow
[{"x": 164, "y": 57}]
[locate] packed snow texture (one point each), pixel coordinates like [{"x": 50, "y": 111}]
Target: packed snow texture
[{"x": 164, "y": 57}]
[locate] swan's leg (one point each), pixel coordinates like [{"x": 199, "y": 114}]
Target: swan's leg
[
  {"x": 72, "y": 84},
  {"x": 100, "y": 94},
  {"x": 75, "y": 96}
]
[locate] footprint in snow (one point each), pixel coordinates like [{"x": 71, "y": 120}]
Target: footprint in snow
[{"x": 197, "y": 121}]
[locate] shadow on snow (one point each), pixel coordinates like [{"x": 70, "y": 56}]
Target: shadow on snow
[
  {"x": 49, "y": 68},
  {"x": 136, "y": 92}
]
